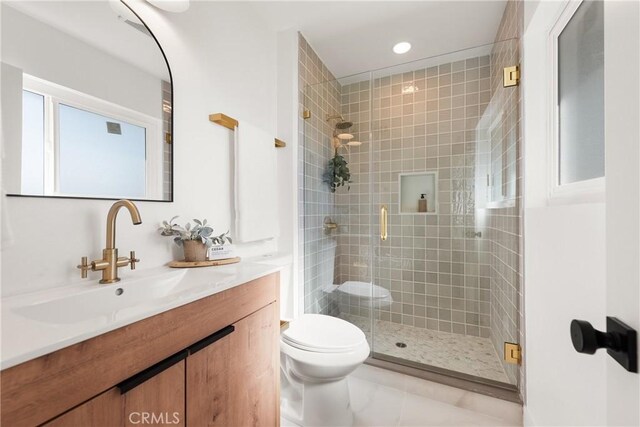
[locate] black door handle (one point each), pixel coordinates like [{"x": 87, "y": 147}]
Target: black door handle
[
  {"x": 141, "y": 377},
  {"x": 216, "y": 336},
  {"x": 620, "y": 341}
]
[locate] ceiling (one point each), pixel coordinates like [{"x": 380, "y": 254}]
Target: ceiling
[{"x": 356, "y": 36}]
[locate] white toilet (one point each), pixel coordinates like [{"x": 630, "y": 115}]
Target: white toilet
[{"x": 317, "y": 352}]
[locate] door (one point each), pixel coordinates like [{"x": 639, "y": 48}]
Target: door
[
  {"x": 208, "y": 378},
  {"x": 155, "y": 396},
  {"x": 581, "y": 240},
  {"x": 159, "y": 401},
  {"x": 233, "y": 377},
  {"x": 622, "y": 135},
  {"x": 105, "y": 410}
]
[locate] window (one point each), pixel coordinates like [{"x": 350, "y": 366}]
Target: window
[
  {"x": 74, "y": 144},
  {"x": 578, "y": 122},
  {"x": 91, "y": 145}
]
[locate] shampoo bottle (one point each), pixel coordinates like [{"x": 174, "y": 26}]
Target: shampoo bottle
[{"x": 422, "y": 203}]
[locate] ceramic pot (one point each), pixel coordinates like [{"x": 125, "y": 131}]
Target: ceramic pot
[{"x": 194, "y": 250}]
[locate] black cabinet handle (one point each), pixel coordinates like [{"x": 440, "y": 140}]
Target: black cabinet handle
[
  {"x": 216, "y": 336},
  {"x": 620, "y": 341},
  {"x": 139, "y": 378}
]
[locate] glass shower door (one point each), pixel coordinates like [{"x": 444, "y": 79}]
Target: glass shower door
[
  {"x": 444, "y": 202},
  {"x": 337, "y": 223}
]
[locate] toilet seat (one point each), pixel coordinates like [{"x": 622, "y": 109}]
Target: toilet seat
[
  {"x": 323, "y": 334},
  {"x": 364, "y": 290}
]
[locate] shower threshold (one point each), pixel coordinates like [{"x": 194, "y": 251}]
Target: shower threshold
[{"x": 468, "y": 359}]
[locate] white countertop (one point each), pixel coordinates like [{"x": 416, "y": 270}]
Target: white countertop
[{"x": 42, "y": 322}]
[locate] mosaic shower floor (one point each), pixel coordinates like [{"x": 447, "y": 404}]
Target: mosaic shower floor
[{"x": 466, "y": 354}]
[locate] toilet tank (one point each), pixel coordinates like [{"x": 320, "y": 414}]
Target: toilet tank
[{"x": 285, "y": 261}]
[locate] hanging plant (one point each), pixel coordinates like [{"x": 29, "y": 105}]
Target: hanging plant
[{"x": 337, "y": 173}]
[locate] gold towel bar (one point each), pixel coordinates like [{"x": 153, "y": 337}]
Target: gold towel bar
[{"x": 231, "y": 123}]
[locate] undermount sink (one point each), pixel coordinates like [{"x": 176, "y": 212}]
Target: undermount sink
[
  {"x": 104, "y": 303},
  {"x": 38, "y": 323}
]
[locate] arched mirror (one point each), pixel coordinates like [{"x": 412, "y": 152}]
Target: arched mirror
[{"x": 86, "y": 102}]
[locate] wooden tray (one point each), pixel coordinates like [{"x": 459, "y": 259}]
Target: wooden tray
[{"x": 192, "y": 264}]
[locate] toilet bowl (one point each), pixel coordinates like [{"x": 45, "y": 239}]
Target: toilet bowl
[
  {"x": 362, "y": 294},
  {"x": 317, "y": 352}
]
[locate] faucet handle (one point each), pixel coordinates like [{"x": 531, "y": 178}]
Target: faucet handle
[
  {"x": 84, "y": 267},
  {"x": 133, "y": 259}
]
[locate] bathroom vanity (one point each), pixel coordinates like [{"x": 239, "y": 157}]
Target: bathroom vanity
[{"x": 202, "y": 351}]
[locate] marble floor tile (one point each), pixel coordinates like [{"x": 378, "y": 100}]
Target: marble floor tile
[
  {"x": 382, "y": 398},
  {"x": 286, "y": 423},
  {"x": 420, "y": 411},
  {"x": 510, "y": 411},
  {"x": 374, "y": 404},
  {"x": 461, "y": 353}
]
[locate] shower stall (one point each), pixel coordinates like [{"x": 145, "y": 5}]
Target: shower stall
[{"x": 421, "y": 245}]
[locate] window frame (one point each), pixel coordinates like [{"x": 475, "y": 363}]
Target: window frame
[
  {"x": 54, "y": 95},
  {"x": 586, "y": 191}
]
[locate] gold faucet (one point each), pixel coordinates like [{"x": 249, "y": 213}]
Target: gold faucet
[{"x": 110, "y": 261}]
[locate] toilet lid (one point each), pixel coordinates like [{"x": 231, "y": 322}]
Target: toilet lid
[
  {"x": 364, "y": 290},
  {"x": 323, "y": 334}
]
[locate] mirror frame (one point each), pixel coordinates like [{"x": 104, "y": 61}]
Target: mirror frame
[{"x": 171, "y": 199}]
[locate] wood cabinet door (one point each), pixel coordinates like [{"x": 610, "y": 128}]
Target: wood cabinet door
[
  {"x": 235, "y": 381},
  {"x": 104, "y": 410},
  {"x": 208, "y": 379},
  {"x": 159, "y": 401}
]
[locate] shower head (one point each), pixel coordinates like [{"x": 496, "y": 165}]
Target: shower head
[{"x": 343, "y": 124}]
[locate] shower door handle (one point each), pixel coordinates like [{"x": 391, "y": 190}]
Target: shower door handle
[{"x": 383, "y": 222}]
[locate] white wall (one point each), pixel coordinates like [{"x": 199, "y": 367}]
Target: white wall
[
  {"x": 223, "y": 59},
  {"x": 564, "y": 262},
  {"x": 287, "y": 130}
]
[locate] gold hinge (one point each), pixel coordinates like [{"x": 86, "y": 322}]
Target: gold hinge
[
  {"x": 512, "y": 353},
  {"x": 306, "y": 114},
  {"x": 511, "y": 76},
  {"x": 167, "y": 138}
]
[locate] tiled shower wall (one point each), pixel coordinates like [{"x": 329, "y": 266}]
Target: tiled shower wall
[
  {"x": 505, "y": 224},
  {"x": 316, "y": 200},
  {"x": 424, "y": 120}
]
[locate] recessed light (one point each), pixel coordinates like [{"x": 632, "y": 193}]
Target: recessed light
[{"x": 402, "y": 47}]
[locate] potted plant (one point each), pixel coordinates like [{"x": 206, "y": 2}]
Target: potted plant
[
  {"x": 195, "y": 240},
  {"x": 337, "y": 173}
]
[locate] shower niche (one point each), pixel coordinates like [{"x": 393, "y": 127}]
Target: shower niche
[{"x": 418, "y": 193}]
